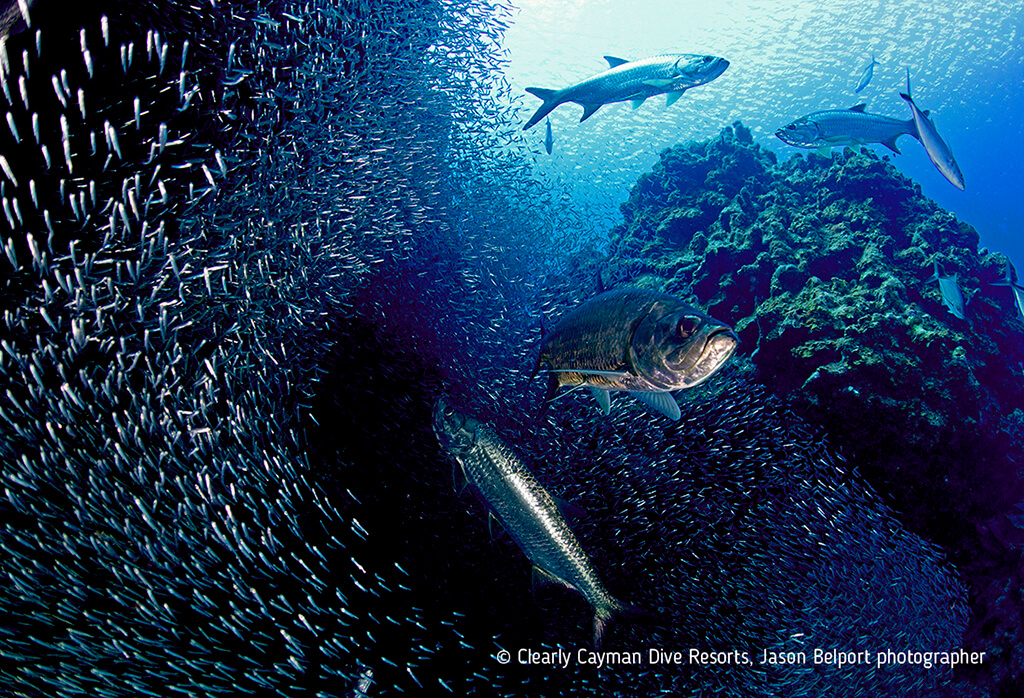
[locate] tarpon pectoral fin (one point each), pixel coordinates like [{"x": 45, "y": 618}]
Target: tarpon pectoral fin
[
  {"x": 672, "y": 97},
  {"x": 660, "y": 402},
  {"x": 825, "y": 151},
  {"x": 637, "y": 102},
  {"x": 657, "y": 82},
  {"x": 459, "y": 480},
  {"x": 860, "y": 107},
  {"x": 603, "y": 399},
  {"x": 494, "y": 527},
  {"x": 588, "y": 111},
  {"x": 614, "y": 62}
]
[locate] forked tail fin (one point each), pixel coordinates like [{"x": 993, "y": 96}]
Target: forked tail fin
[
  {"x": 614, "y": 611},
  {"x": 550, "y": 98}
]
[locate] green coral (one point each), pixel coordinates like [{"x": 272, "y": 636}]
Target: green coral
[{"x": 822, "y": 267}]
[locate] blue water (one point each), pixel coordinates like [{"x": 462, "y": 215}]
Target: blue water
[{"x": 788, "y": 59}]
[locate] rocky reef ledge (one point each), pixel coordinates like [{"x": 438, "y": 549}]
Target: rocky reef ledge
[{"x": 823, "y": 265}]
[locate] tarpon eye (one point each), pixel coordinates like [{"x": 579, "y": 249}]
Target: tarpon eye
[
  {"x": 708, "y": 59},
  {"x": 687, "y": 326}
]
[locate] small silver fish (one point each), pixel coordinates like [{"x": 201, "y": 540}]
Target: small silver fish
[
  {"x": 950, "y": 289},
  {"x": 853, "y": 126},
  {"x": 938, "y": 152},
  {"x": 632, "y": 81},
  {"x": 549, "y": 140},
  {"x": 526, "y": 510},
  {"x": 867, "y": 74}
]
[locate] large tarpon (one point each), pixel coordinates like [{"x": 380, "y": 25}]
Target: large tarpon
[
  {"x": 525, "y": 509},
  {"x": 632, "y": 81},
  {"x": 853, "y": 126},
  {"x": 938, "y": 152},
  {"x": 644, "y": 342}
]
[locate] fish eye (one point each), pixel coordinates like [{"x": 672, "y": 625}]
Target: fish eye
[
  {"x": 708, "y": 59},
  {"x": 688, "y": 324}
]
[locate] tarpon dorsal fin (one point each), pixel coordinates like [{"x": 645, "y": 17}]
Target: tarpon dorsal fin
[
  {"x": 494, "y": 527},
  {"x": 660, "y": 402},
  {"x": 614, "y": 62},
  {"x": 459, "y": 479},
  {"x": 859, "y": 108},
  {"x": 603, "y": 399},
  {"x": 672, "y": 97}
]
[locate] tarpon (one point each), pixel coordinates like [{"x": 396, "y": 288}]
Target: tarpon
[
  {"x": 525, "y": 509},
  {"x": 634, "y": 81},
  {"x": 549, "y": 140},
  {"x": 644, "y": 342},
  {"x": 938, "y": 152},
  {"x": 950, "y": 289},
  {"x": 867, "y": 74},
  {"x": 1018, "y": 291},
  {"x": 853, "y": 126}
]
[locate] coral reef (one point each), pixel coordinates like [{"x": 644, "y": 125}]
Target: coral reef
[{"x": 823, "y": 265}]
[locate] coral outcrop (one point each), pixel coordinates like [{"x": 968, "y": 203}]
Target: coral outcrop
[
  {"x": 827, "y": 269},
  {"x": 823, "y": 266}
]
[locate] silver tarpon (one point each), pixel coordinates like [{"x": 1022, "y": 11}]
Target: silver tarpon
[
  {"x": 938, "y": 152},
  {"x": 526, "y": 510},
  {"x": 952, "y": 298},
  {"x": 1018, "y": 291},
  {"x": 824, "y": 129},
  {"x": 634, "y": 81}
]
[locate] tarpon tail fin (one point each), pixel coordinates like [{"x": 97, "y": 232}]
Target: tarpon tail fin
[
  {"x": 615, "y": 611},
  {"x": 907, "y": 95},
  {"x": 551, "y": 100}
]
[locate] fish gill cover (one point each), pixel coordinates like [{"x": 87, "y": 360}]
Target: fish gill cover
[{"x": 239, "y": 275}]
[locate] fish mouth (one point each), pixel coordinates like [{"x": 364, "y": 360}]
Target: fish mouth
[{"x": 720, "y": 346}]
